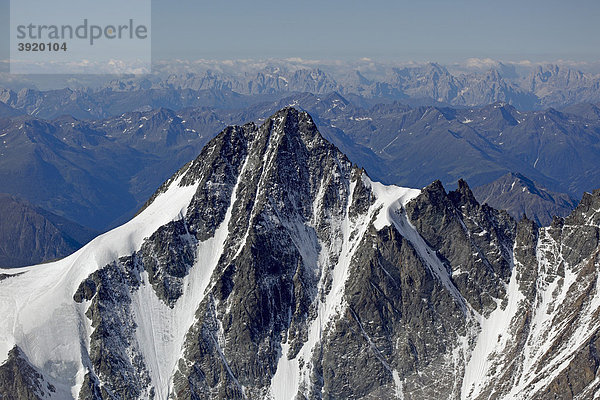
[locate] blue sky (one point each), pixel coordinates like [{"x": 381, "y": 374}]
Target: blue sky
[{"x": 419, "y": 30}]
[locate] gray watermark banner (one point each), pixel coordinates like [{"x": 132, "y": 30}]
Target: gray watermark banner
[{"x": 80, "y": 37}]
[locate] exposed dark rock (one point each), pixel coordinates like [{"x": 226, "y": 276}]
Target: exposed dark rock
[
  {"x": 167, "y": 256},
  {"x": 19, "y": 380},
  {"x": 473, "y": 241},
  {"x": 118, "y": 367}
]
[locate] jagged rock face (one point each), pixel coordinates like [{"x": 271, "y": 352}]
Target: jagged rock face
[
  {"x": 271, "y": 267},
  {"x": 292, "y": 186},
  {"x": 19, "y": 380},
  {"x": 548, "y": 330},
  {"x": 473, "y": 241}
]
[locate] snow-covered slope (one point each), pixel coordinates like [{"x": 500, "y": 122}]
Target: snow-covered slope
[
  {"x": 272, "y": 267},
  {"x": 36, "y": 303}
]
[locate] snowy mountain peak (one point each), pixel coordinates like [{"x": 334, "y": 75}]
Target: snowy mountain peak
[{"x": 271, "y": 267}]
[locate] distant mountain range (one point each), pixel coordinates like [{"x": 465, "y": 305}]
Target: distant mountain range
[
  {"x": 536, "y": 87},
  {"x": 429, "y": 84},
  {"x": 533, "y": 88}
]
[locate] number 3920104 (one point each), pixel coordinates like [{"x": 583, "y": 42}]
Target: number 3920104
[{"x": 50, "y": 46}]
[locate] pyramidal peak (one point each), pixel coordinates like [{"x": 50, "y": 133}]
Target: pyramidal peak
[{"x": 272, "y": 267}]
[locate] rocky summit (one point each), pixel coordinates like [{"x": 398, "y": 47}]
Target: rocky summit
[{"x": 271, "y": 267}]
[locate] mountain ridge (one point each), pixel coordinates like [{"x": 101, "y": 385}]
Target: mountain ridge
[
  {"x": 271, "y": 267},
  {"x": 520, "y": 196}
]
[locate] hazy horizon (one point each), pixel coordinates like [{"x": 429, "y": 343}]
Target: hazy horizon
[{"x": 400, "y": 31}]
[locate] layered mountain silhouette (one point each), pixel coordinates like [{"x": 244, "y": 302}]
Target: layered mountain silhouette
[{"x": 431, "y": 84}]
